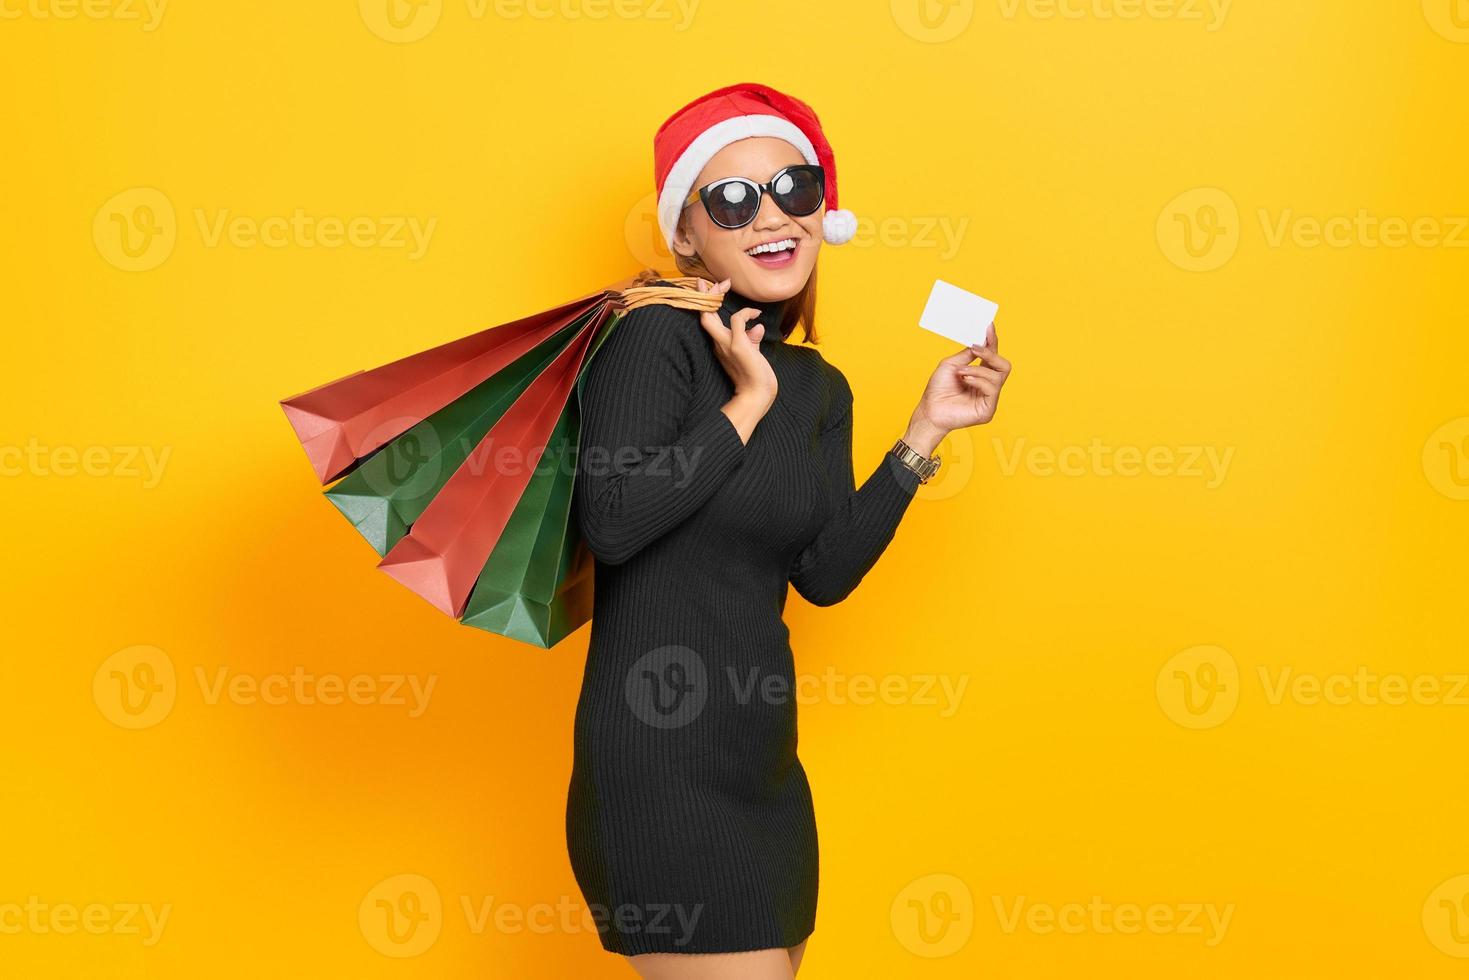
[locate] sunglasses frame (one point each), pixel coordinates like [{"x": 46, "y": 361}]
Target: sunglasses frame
[{"x": 703, "y": 193}]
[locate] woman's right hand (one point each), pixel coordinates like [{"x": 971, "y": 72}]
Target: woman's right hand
[{"x": 738, "y": 350}]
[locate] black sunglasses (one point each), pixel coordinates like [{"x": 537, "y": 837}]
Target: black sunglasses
[{"x": 734, "y": 201}]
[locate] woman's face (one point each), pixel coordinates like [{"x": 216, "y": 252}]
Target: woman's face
[{"x": 725, "y": 251}]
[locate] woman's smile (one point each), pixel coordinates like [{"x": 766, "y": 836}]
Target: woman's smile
[{"x": 776, "y": 253}]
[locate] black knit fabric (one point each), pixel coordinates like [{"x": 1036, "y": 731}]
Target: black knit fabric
[{"x": 689, "y": 820}]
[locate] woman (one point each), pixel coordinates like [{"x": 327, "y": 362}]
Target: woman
[{"x": 715, "y": 470}]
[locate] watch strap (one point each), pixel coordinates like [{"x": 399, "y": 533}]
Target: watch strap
[{"x": 924, "y": 466}]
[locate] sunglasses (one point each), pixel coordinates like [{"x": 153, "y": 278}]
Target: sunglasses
[{"x": 734, "y": 201}]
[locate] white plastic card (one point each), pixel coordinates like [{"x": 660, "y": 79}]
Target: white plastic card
[{"x": 958, "y": 314}]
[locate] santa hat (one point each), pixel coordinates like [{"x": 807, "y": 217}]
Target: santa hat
[{"x": 691, "y": 136}]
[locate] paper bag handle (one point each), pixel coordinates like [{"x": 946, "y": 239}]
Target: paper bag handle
[{"x": 682, "y": 292}]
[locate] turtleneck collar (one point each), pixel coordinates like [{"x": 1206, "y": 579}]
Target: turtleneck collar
[{"x": 770, "y": 314}]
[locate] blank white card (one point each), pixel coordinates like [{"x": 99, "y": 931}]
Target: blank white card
[{"x": 958, "y": 314}]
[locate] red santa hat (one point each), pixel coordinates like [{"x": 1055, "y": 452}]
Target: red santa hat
[{"x": 691, "y": 136}]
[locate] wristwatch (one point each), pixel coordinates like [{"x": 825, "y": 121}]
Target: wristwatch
[{"x": 924, "y": 466}]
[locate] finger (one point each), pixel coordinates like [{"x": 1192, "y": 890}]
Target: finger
[
  {"x": 964, "y": 356},
  {"x": 738, "y": 321},
  {"x": 989, "y": 374},
  {"x": 984, "y": 385},
  {"x": 991, "y": 358},
  {"x": 710, "y": 321}
]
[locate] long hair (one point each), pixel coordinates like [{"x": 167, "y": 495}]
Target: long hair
[{"x": 800, "y": 309}]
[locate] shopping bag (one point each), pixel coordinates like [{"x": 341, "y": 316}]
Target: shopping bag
[
  {"x": 457, "y": 464},
  {"x": 341, "y": 422}
]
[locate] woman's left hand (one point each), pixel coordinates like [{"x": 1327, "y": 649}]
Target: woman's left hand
[{"x": 961, "y": 394}]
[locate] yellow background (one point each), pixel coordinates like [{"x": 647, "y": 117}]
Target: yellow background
[{"x": 1079, "y": 761}]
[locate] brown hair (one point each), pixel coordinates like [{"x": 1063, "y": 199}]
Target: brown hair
[{"x": 800, "y": 309}]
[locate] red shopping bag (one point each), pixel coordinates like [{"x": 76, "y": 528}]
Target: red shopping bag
[{"x": 343, "y": 421}]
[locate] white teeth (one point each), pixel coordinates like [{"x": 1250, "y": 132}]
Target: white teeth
[{"x": 779, "y": 246}]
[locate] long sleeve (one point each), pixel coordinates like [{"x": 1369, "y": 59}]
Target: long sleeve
[
  {"x": 644, "y": 466},
  {"x": 862, "y": 522}
]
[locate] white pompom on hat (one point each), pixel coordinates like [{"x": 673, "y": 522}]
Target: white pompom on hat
[{"x": 689, "y": 138}]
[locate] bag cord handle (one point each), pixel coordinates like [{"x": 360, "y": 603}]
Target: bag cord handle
[{"x": 682, "y": 292}]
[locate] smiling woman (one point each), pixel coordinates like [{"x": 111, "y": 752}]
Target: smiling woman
[{"x": 686, "y": 791}]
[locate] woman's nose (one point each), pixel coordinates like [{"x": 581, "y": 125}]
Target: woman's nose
[{"x": 770, "y": 215}]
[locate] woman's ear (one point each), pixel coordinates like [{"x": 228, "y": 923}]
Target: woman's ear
[{"x": 683, "y": 243}]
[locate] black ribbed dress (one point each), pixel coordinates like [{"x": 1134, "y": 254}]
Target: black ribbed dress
[{"x": 689, "y": 820}]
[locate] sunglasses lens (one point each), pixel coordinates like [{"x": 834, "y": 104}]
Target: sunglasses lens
[
  {"x": 799, "y": 191},
  {"x": 732, "y": 203}
]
